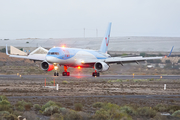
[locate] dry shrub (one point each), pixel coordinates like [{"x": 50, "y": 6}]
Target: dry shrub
[
  {"x": 161, "y": 108},
  {"x": 37, "y": 107},
  {"x": 98, "y": 105},
  {"x": 17, "y": 113},
  {"x": 72, "y": 115},
  {"x": 27, "y": 106},
  {"x": 84, "y": 115},
  {"x": 22, "y": 105},
  {"x": 56, "y": 116},
  {"x": 146, "y": 112},
  {"x": 78, "y": 107},
  {"x": 10, "y": 117},
  {"x": 160, "y": 117}
]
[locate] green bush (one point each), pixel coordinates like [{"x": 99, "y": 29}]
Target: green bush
[
  {"x": 176, "y": 113},
  {"x": 64, "y": 82},
  {"x": 10, "y": 117},
  {"x": 5, "y": 105},
  {"x": 2, "y": 113},
  {"x": 50, "y": 103},
  {"x": 101, "y": 115},
  {"x": 2, "y": 97},
  {"x": 173, "y": 108},
  {"x": 109, "y": 106},
  {"x": 146, "y": 112},
  {"x": 72, "y": 115},
  {"x": 51, "y": 110},
  {"x": 113, "y": 114},
  {"x": 161, "y": 108},
  {"x": 37, "y": 107},
  {"x": 22, "y": 105},
  {"x": 127, "y": 109},
  {"x": 98, "y": 105},
  {"x": 17, "y": 113},
  {"x": 56, "y": 116},
  {"x": 78, "y": 107}
]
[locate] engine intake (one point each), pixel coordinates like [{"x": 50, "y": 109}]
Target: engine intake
[
  {"x": 47, "y": 66},
  {"x": 101, "y": 66}
]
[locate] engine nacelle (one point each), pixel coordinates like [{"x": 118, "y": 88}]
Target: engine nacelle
[
  {"x": 101, "y": 66},
  {"x": 47, "y": 66}
]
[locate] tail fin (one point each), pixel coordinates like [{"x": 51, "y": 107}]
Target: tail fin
[{"x": 105, "y": 42}]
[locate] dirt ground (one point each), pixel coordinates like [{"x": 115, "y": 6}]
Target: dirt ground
[{"x": 88, "y": 91}]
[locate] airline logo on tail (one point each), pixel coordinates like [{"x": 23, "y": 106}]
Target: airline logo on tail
[{"x": 105, "y": 42}]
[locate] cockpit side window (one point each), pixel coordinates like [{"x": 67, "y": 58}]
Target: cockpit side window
[{"x": 53, "y": 53}]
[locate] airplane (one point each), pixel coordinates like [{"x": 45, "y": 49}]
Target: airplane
[{"x": 82, "y": 58}]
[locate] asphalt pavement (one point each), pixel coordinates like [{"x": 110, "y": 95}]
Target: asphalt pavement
[{"x": 101, "y": 77}]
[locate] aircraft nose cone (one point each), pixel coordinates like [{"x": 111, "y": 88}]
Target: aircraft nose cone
[{"x": 49, "y": 58}]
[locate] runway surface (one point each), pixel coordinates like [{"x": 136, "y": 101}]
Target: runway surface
[
  {"x": 101, "y": 77},
  {"x": 175, "y": 97}
]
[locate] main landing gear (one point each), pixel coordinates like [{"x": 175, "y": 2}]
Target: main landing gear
[
  {"x": 56, "y": 73},
  {"x": 65, "y": 73},
  {"x": 97, "y": 74}
]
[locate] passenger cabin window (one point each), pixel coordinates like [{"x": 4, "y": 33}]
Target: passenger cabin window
[{"x": 53, "y": 53}]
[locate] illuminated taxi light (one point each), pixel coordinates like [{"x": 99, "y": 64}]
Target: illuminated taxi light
[
  {"x": 82, "y": 61},
  {"x": 63, "y": 46},
  {"x": 56, "y": 67},
  {"x": 79, "y": 67},
  {"x": 54, "y": 46}
]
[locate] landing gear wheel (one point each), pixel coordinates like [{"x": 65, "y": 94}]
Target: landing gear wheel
[
  {"x": 55, "y": 74},
  {"x": 66, "y": 74},
  {"x": 95, "y": 74},
  {"x": 98, "y": 74}
]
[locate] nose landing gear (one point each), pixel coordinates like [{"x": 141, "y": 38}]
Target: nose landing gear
[{"x": 56, "y": 68}]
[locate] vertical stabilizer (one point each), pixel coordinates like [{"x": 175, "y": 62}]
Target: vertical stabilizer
[{"x": 105, "y": 42}]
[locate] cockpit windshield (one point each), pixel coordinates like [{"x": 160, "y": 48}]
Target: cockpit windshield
[{"x": 53, "y": 53}]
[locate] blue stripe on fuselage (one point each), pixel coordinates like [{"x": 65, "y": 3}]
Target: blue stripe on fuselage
[{"x": 67, "y": 53}]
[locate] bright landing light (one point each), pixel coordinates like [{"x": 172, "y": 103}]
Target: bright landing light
[
  {"x": 63, "y": 46},
  {"x": 79, "y": 67},
  {"x": 55, "y": 67}
]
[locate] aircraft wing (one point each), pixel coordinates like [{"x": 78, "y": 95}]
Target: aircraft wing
[
  {"x": 37, "y": 55},
  {"x": 129, "y": 59},
  {"x": 121, "y": 60}
]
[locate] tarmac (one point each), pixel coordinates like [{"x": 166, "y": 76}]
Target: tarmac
[{"x": 89, "y": 76}]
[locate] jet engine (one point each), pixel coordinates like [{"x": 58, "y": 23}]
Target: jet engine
[
  {"x": 101, "y": 66},
  {"x": 47, "y": 66}
]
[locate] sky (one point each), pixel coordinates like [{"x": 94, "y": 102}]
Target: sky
[{"x": 88, "y": 18}]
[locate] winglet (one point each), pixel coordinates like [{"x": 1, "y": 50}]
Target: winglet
[
  {"x": 7, "y": 50},
  {"x": 170, "y": 52}
]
